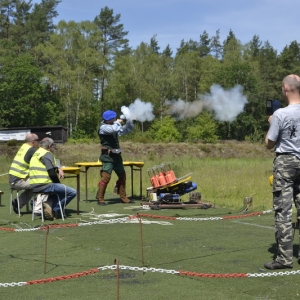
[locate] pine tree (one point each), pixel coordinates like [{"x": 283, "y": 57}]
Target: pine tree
[
  {"x": 231, "y": 36},
  {"x": 167, "y": 52},
  {"x": 204, "y": 44},
  {"x": 190, "y": 46},
  {"x": 255, "y": 46},
  {"x": 154, "y": 44},
  {"x": 113, "y": 40},
  {"x": 19, "y": 31},
  {"x": 7, "y": 9},
  {"x": 215, "y": 45},
  {"x": 183, "y": 48},
  {"x": 232, "y": 49},
  {"x": 40, "y": 22},
  {"x": 25, "y": 26},
  {"x": 289, "y": 59}
]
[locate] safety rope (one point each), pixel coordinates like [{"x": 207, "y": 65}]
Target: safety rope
[
  {"x": 109, "y": 221},
  {"x": 203, "y": 219},
  {"x": 130, "y": 219},
  {"x": 153, "y": 270}
]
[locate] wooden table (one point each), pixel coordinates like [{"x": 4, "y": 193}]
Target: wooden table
[
  {"x": 134, "y": 166},
  {"x": 75, "y": 173}
]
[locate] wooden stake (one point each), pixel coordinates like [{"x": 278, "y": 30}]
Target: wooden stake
[
  {"x": 46, "y": 246},
  {"x": 116, "y": 262},
  {"x": 142, "y": 242}
]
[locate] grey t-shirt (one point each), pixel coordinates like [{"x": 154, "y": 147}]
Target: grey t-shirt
[
  {"x": 285, "y": 130},
  {"x": 48, "y": 161}
]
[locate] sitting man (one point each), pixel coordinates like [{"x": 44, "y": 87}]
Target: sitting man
[
  {"x": 19, "y": 170},
  {"x": 44, "y": 179},
  {"x": 111, "y": 158}
]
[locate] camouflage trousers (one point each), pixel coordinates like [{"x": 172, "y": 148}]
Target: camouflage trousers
[{"x": 286, "y": 187}]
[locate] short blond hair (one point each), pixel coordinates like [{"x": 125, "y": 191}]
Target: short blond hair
[{"x": 293, "y": 82}]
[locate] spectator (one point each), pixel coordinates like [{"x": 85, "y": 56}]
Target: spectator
[
  {"x": 19, "y": 170},
  {"x": 45, "y": 178}
]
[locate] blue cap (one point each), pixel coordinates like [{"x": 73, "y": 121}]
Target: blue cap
[{"x": 109, "y": 115}]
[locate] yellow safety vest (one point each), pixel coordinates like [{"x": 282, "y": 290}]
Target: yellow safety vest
[
  {"x": 38, "y": 173},
  {"x": 19, "y": 167}
]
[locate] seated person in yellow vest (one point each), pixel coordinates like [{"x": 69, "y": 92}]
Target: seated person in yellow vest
[
  {"x": 44, "y": 178},
  {"x": 110, "y": 157},
  {"x": 19, "y": 170}
]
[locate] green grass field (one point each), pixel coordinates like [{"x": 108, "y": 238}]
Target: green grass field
[
  {"x": 213, "y": 246},
  {"x": 217, "y": 246}
]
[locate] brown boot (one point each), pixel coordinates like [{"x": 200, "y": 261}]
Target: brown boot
[
  {"x": 105, "y": 178},
  {"x": 121, "y": 188}
]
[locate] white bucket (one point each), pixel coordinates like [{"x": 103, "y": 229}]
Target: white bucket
[{"x": 153, "y": 196}]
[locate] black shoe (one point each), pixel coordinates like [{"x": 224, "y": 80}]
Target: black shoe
[
  {"x": 273, "y": 265},
  {"x": 56, "y": 214},
  {"x": 101, "y": 203},
  {"x": 15, "y": 206}
]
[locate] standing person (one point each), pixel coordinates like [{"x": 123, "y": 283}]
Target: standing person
[
  {"x": 19, "y": 170},
  {"x": 284, "y": 134},
  {"x": 44, "y": 179},
  {"x": 109, "y": 130}
]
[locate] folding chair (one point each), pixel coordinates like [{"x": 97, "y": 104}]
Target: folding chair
[
  {"x": 42, "y": 210},
  {"x": 18, "y": 201}
]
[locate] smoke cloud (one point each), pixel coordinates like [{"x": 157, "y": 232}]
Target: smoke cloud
[
  {"x": 226, "y": 104},
  {"x": 138, "y": 110}
]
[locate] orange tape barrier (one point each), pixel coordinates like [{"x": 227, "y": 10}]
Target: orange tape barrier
[
  {"x": 58, "y": 226},
  {"x": 243, "y": 216},
  {"x": 204, "y": 275},
  {"x": 7, "y": 229},
  {"x": 66, "y": 277}
]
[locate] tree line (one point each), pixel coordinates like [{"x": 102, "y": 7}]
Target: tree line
[{"x": 69, "y": 73}]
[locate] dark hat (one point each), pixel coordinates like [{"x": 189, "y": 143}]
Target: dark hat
[{"x": 109, "y": 115}]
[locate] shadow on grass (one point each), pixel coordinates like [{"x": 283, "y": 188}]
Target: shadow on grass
[
  {"x": 50, "y": 265},
  {"x": 273, "y": 250},
  {"x": 113, "y": 200},
  {"x": 211, "y": 254}
]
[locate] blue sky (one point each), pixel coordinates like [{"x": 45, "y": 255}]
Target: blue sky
[{"x": 174, "y": 20}]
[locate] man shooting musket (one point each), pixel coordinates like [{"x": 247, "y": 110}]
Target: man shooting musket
[{"x": 110, "y": 129}]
